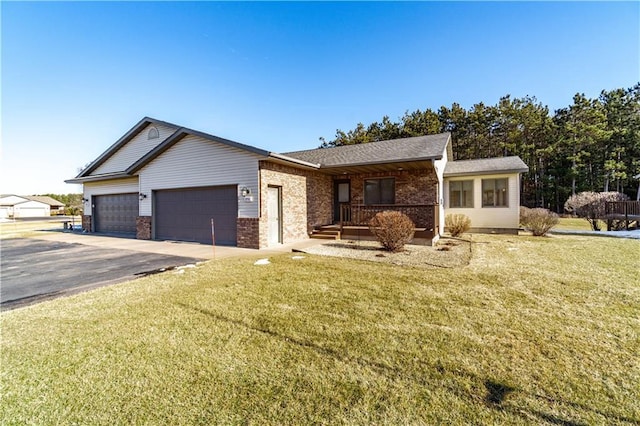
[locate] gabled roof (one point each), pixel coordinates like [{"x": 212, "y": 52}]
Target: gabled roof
[
  {"x": 485, "y": 166},
  {"x": 135, "y": 130},
  {"x": 45, "y": 199},
  {"x": 419, "y": 148},
  {"x": 11, "y": 200},
  {"x": 180, "y": 134}
]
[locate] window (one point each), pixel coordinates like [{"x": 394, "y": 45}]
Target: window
[
  {"x": 380, "y": 191},
  {"x": 153, "y": 133},
  {"x": 495, "y": 192},
  {"x": 461, "y": 193}
]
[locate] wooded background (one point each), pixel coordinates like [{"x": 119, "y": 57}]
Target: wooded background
[{"x": 591, "y": 145}]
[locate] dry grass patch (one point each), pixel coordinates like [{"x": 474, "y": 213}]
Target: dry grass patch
[
  {"x": 447, "y": 253},
  {"x": 532, "y": 331},
  {"x": 28, "y": 229}
]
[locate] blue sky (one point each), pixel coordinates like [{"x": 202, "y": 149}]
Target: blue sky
[{"x": 77, "y": 76}]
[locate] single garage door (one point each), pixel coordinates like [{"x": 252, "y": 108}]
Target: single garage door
[
  {"x": 115, "y": 213},
  {"x": 185, "y": 214}
]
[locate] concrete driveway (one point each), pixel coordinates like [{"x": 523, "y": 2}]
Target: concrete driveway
[{"x": 34, "y": 270}]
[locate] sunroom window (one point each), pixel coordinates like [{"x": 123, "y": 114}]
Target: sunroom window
[
  {"x": 495, "y": 192},
  {"x": 461, "y": 193}
]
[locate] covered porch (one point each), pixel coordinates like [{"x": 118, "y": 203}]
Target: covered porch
[
  {"x": 354, "y": 221},
  {"x": 358, "y": 197}
]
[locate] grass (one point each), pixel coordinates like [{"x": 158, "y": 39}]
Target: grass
[
  {"x": 574, "y": 224},
  {"x": 26, "y": 229},
  {"x": 532, "y": 331}
]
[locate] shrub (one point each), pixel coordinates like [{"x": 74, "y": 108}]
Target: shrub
[
  {"x": 524, "y": 211},
  {"x": 457, "y": 224},
  {"x": 591, "y": 205},
  {"x": 392, "y": 229},
  {"x": 538, "y": 221}
]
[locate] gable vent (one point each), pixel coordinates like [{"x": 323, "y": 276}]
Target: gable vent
[{"x": 153, "y": 133}]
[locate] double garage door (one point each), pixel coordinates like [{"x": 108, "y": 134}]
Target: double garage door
[
  {"x": 179, "y": 215},
  {"x": 186, "y": 214}
]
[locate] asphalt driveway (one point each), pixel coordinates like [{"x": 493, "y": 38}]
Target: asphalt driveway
[{"x": 34, "y": 270}]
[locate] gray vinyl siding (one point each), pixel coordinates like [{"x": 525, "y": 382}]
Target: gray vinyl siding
[
  {"x": 134, "y": 150},
  {"x": 198, "y": 162},
  {"x": 116, "y": 186}
]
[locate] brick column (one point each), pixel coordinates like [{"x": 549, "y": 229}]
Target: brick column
[
  {"x": 248, "y": 232},
  {"x": 86, "y": 223},
  {"x": 143, "y": 227}
]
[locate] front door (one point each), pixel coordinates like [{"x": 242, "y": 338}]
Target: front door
[
  {"x": 274, "y": 213},
  {"x": 341, "y": 196}
]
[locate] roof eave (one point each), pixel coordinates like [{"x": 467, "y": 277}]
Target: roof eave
[
  {"x": 116, "y": 146},
  {"x": 279, "y": 158},
  {"x": 486, "y": 172},
  {"x": 380, "y": 162},
  {"x": 96, "y": 178}
]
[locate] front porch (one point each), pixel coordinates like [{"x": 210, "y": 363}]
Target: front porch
[{"x": 353, "y": 221}]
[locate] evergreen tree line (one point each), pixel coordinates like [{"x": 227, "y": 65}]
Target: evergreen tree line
[{"x": 591, "y": 145}]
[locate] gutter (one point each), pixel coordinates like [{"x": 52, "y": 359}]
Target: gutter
[{"x": 107, "y": 176}]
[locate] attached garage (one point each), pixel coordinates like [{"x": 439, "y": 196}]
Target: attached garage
[
  {"x": 185, "y": 214},
  {"x": 115, "y": 213}
]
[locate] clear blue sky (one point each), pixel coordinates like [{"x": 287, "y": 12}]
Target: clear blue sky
[{"x": 77, "y": 76}]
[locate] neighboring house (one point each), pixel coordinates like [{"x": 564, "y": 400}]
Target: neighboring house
[
  {"x": 162, "y": 181},
  {"x": 55, "y": 206},
  {"x": 21, "y": 206}
]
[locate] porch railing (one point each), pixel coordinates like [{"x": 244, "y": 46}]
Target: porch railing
[
  {"x": 628, "y": 211},
  {"x": 422, "y": 215},
  {"x": 624, "y": 208}
]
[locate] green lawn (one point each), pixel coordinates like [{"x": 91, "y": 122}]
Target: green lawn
[{"x": 532, "y": 331}]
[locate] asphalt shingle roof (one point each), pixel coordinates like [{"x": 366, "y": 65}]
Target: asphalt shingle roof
[
  {"x": 485, "y": 166},
  {"x": 396, "y": 150},
  {"x": 45, "y": 199}
]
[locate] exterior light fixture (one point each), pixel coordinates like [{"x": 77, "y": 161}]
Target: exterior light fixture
[
  {"x": 142, "y": 196},
  {"x": 244, "y": 191}
]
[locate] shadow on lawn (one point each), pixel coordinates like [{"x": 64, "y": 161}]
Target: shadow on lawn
[
  {"x": 496, "y": 392},
  {"x": 310, "y": 345}
]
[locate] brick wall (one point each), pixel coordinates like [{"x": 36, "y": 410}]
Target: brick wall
[
  {"x": 307, "y": 196},
  {"x": 306, "y": 200},
  {"x": 412, "y": 186},
  {"x": 248, "y": 232},
  {"x": 86, "y": 223},
  {"x": 143, "y": 227}
]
